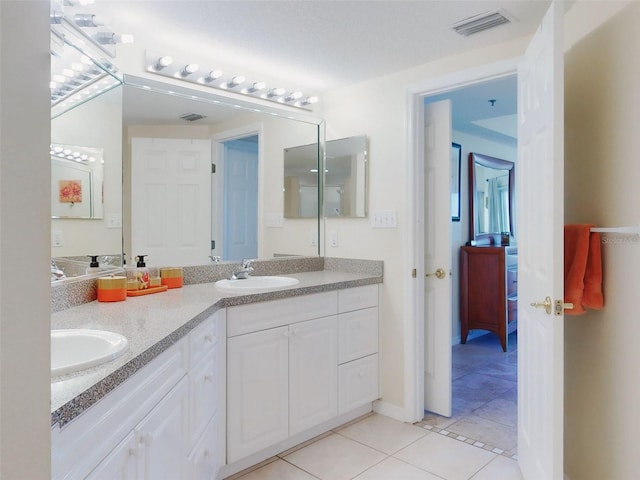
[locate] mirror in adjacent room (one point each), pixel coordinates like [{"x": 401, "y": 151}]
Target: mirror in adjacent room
[
  {"x": 76, "y": 181},
  {"x": 491, "y": 198},
  {"x": 233, "y": 208},
  {"x": 345, "y": 179}
]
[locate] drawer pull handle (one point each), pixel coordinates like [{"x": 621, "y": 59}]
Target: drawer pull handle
[
  {"x": 208, "y": 377},
  {"x": 361, "y": 374},
  {"x": 209, "y": 338}
]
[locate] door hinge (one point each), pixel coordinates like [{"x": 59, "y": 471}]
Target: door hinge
[
  {"x": 213, "y": 244},
  {"x": 213, "y": 168},
  {"x": 414, "y": 273}
]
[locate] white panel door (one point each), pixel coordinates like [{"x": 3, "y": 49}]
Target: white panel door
[
  {"x": 171, "y": 200},
  {"x": 437, "y": 258},
  {"x": 540, "y": 180},
  {"x": 257, "y": 391},
  {"x": 313, "y": 373}
]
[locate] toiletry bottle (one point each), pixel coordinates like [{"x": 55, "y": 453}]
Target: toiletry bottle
[
  {"x": 142, "y": 273},
  {"x": 94, "y": 266}
]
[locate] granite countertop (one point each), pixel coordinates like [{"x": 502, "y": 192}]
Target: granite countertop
[{"x": 152, "y": 323}]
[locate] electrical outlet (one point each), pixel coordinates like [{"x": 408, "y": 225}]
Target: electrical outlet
[
  {"x": 314, "y": 237},
  {"x": 333, "y": 239},
  {"x": 57, "y": 239}
]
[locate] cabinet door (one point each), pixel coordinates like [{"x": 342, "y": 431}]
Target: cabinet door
[
  {"x": 163, "y": 437},
  {"x": 257, "y": 391},
  {"x": 358, "y": 383},
  {"x": 120, "y": 464},
  {"x": 313, "y": 373}
]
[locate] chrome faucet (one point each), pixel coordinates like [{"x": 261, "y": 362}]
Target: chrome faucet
[
  {"x": 246, "y": 267},
  {"x": 56, "y": 273}
]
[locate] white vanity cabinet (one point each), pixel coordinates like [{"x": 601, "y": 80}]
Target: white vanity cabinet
[
  {"x": 286, "y": 360},
  {"x": 165, "y": 421},
  {"x": 358, "y": 347}
]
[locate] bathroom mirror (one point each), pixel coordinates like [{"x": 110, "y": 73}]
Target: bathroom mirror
[
  {"x": 226, "y": 211},
  {"x": 491, "y": 198},
  {"x": 345, "y": 179},
  {"x": 89, "y": 221}
]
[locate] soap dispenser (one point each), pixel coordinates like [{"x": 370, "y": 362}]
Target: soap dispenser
[
  {"x": 94, "y": 266},
  {"x": 142, "y": 273}
]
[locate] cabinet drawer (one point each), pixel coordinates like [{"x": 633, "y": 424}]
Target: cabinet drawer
[
  {"x": 204, "y": 383},
  {"x": 253, "y": 317},
  {"x": 205, "y": 337},
  {"x": 357, "y": 298},
  {"x": 208, "y": 455},
  {"x": 358, "y": 383},
  {"x": 357, "y": 334}
]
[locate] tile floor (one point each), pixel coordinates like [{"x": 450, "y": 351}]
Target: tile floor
[
  {"x": 477, "y": 443},
  {"x": 485, "y": 392}
]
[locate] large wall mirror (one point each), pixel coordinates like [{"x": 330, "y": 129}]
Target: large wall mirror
[
  {"x": 345, "y": 179},
  {"x": 491, "y": 198},
  {"x": 203, "y": 177},
  {"x": 233, "y": 209}
]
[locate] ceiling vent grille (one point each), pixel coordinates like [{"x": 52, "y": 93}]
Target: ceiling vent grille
[
  {"x": 192, "y": 117},
  {"x": 481, "y": 22}
]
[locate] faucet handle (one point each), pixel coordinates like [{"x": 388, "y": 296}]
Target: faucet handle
[{"x": 248, "y": 262}]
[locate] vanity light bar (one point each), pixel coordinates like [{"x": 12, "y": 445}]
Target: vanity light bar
[{"x": 166, "y": 66}]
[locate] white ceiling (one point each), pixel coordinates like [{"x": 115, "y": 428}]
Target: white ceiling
[{"x": 318, "y": 44}]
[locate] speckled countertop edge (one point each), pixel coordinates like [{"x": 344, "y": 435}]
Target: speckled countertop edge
[{"x": 175, "y": 313}]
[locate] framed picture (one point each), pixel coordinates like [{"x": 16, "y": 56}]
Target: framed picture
[{"x": 456, "y": 158}]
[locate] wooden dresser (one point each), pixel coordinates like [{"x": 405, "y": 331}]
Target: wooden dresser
[{"x": 489, "y": 291}]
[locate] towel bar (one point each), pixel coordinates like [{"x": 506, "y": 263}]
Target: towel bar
[{"x": 633, "y": 230}]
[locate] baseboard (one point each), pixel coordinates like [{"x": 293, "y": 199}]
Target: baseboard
[{"x": 389, "y": 410}]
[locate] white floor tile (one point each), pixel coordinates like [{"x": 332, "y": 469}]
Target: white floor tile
[
  {"x": 500, "y": 467},
  {"x": 335, "y": 458},
  {"x": 445, "y": 457},
  {"x": 392, "y": 468},
  {"x": 383, "y": 433},
  {"x": 278, "y": 470}
]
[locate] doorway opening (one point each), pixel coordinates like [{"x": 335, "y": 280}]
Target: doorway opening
[
  {"x": 483, "y": 377},
  {"x": 235, "y": 191}
]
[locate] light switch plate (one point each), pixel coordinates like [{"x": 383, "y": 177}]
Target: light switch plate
[
  {"x": 114, "y": 220},
  {"x": 57, "y": 239},
  {"x": 384, "y": 219}
]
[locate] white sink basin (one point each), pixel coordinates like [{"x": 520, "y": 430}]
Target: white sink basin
[
  {"x": 76, "y": 349},
  {"x": 255, "y": 284}
]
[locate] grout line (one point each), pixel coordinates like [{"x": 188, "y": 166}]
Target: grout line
[{"x": 467, "y": 440}]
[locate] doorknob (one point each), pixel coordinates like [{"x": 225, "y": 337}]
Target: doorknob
[
  {"x": 546, "y": 305},
  {"x": 439, "y": 273}
]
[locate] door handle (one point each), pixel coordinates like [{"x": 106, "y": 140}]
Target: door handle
[
  {"x": 546, "y": 305},
  {"x": 439, "y": 274}
]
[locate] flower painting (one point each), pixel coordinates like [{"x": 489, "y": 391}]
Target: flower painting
[{"x": 70, "y": 191}]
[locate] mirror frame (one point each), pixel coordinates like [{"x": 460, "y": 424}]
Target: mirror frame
[{"x": 489, "y": 238}]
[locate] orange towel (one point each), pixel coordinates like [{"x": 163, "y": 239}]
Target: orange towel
[{"x": 582, "y": 269}]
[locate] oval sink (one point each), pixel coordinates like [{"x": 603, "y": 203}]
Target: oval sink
[
  {"x": 76, "y": 349},
  {"x": 255, "y": 284}
]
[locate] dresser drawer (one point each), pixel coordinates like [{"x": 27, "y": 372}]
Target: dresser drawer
[
  {"x": 357, "y": 334},
  {"x": 357, "y": 298},
  {"x": 254, "y": 317},
  {"x": 357, "y": 383}
]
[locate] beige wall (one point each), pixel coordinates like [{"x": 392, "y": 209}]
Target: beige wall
[
  {"x": 378, "y": 108},
  {"x": 25, "y": 417},
  {"x": 602, "y": 392}
]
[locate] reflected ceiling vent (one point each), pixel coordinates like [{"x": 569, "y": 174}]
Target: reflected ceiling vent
[
  {"x": 192, "y": 117},
  {"x": 481, "y": 22}
]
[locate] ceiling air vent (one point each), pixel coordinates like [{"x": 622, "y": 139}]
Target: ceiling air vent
[
  {"x": 192, "y": 117},
  {"x": 481, "y": 22}
]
